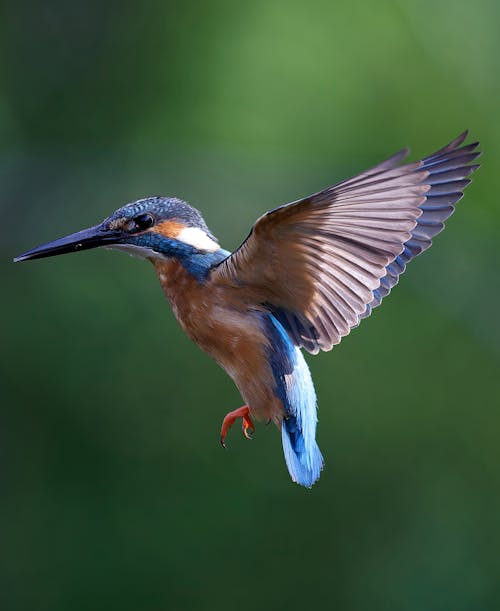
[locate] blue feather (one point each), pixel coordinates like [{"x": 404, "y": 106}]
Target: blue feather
[
  {"x": 295, "y": 388},
  {"x": 197, "y": 263}
]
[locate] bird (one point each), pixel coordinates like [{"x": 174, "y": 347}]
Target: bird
[{"x": 307, "y": 274}]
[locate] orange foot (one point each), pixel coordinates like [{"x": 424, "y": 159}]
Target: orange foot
[{"x": 246, "y": 426}]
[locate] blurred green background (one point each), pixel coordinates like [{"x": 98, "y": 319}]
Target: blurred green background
[{"x": 115, "y": 493}]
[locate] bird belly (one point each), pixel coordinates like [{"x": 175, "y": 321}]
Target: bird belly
[
  {"x": 237, "y": 343},
  {"x": 232, "y": 334}
]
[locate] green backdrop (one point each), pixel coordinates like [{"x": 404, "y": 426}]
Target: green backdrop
[{"x": 115, "y": 493}]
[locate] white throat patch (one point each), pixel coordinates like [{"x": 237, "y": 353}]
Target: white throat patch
[{"x": 194, "y": 236}]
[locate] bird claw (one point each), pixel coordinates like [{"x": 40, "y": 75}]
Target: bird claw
[{"x": 247, "y": 425}]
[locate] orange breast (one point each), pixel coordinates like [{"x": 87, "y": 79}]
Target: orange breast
[{"x": 219, "y": 319}]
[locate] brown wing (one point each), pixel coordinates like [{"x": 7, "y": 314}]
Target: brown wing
[{"x": 322, "y": 263}]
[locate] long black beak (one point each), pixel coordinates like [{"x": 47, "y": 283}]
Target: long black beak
[{"x": 100, "y": 235}]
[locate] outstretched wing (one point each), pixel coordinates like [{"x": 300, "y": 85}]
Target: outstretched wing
[{"x": 321, "y": 264}]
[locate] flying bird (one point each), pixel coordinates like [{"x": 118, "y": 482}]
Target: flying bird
[{"x": 306, "y": 275}]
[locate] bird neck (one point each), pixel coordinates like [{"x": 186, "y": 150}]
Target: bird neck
[
  {"x": 199, "y": 264},
  {"x": 196, "y": 264},
  {"x": 193, "y": 257}
]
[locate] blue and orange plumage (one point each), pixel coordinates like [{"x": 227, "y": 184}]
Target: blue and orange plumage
[{"x": 306, "y": 275}]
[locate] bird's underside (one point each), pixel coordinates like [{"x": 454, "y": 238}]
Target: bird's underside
[{"x": 231, "y": 328}]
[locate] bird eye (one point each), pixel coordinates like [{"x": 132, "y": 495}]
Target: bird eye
[{"x": 143, "y": 221}]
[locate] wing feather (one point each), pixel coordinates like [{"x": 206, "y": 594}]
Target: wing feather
[{"x": 321, "y": 264}]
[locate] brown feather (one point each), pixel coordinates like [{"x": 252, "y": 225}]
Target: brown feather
[
  {"x": 169, "y": 229},
  {"x": 220, "y": 319}
]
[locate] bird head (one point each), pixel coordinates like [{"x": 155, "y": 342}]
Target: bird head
[{"x": 150, "y": 228}]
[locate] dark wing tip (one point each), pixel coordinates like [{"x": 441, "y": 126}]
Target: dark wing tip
[
  {"x": 397, "y": 157},
  {"x": 454, "y": 144}
]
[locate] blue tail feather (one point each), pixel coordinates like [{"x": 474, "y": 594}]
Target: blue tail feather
[
  {"x": 296, "y": 391},
  {"x": 304, "y": 464}
]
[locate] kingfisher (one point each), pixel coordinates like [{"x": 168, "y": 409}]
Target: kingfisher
[{"x": 307, "y": 274}]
